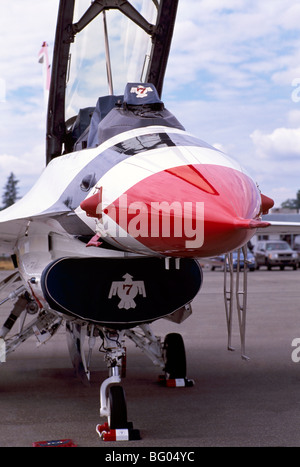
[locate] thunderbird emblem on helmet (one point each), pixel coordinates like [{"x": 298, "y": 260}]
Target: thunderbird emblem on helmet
[{"x": 141, "y": 91}]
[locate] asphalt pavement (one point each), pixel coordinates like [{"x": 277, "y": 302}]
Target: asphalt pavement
[{"x": 233, "y": 402}]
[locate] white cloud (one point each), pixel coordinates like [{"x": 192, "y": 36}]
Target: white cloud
[
  {"x": 282, "y": 144},
  {"x": 23, "y": 28},
  {"x": 293, "y": 118},
  {"x": 242, "y": 44}
]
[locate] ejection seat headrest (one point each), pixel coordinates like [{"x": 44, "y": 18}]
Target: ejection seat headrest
[{"x": 141, "y": 94}]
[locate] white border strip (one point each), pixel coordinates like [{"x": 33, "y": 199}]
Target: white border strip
[{"x": 134, "y": 169}]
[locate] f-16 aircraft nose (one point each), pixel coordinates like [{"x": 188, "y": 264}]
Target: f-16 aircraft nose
[
  {"x": 185, "y": 211},
  {"x": 195, "y": 210}
]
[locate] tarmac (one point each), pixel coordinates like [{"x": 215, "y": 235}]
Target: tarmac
[{"x": 234, "y": 403}]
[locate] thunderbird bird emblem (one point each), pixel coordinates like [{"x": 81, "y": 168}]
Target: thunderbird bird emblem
[{"x": 127, "y": 290}]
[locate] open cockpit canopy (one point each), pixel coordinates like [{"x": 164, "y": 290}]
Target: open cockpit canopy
[{"x": 101, "y": 46}]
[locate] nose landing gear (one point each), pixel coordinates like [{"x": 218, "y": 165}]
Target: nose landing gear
[
  {"x": 112, "y": 396},
  {"x": 169, "y": 356}
]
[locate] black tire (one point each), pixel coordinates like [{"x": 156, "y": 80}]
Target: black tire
[
  {"x": 175, "y": 358},
  {"x": 118, "y": 408}
]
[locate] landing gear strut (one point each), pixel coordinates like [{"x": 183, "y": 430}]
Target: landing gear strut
[{"x": 112, "y": 396}]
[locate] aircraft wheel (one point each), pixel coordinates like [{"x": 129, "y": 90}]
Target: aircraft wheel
[
  {"x": 174, "y": 352},
  {"x": 118, "y": 408}
]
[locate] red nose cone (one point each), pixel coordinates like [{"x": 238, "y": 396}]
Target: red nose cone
[{"x": 195, "y": 210}]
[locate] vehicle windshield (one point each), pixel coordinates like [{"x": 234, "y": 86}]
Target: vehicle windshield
[
  {"x": 277, "y": 246},
  {"x": 110, "y": 51}
]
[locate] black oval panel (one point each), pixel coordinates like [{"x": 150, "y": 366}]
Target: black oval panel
[{"x": 120, "y": 293}]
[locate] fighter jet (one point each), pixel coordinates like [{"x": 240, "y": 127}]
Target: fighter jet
[{"x": 109, "y": 238}]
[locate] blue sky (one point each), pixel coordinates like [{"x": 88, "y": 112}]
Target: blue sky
[{"x": 229, "y": 81}]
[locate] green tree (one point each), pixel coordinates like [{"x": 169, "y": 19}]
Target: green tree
[
  {"x": 292, "y": 203},
  {"x": 10, "y": 193}
]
